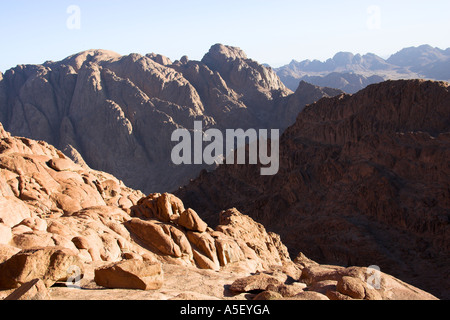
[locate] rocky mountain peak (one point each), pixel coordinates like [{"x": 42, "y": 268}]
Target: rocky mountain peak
[
  {"x": 165, "y": 61},
  {"x": 220, "y": 52},
  {"x": 94, "y": 55},
  {"x": 118, "y": 112}
]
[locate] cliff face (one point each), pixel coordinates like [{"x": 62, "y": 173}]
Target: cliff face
[
  {"x": 363, "y": 180},
  {"x": 117, "y": 113}
]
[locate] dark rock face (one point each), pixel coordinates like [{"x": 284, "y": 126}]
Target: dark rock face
[
  {"x": 117, "y": 113},
  {"x": 363, "y": 180}
]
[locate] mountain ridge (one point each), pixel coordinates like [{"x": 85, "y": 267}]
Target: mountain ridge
[
  {"x": 409, "y": 63},
  {"x": 117, "y": 113}
]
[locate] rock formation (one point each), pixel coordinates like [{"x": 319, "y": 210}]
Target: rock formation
[
  {"x": 117, "y": 113},
  {"x": 363, "y": 181},
  {"x": 66, "y": 224}
]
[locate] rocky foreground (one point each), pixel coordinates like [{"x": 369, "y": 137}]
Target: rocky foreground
[{"x": 69, "y": 232}]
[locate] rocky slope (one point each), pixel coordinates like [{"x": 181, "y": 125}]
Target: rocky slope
[
  {"x": 363, "y": 180},
  {"x": 351, "y": 73},
  {"x": 117, "y": 113},
  {"x": 66, "y": 227}
]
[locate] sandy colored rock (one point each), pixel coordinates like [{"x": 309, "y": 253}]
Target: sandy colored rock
[
  {"x": 351, "y": 287},
  {"x": 60, "y": 164},
  {"x": 205, "y": 244},
  {"x": 7, "y": 251},
  {"x": 130, "y": 274},
  {"x": 191, "y": 221},
  {"x": 309, "y": 295},
  {"x": 33, "y": 240},
  {"x": 337, "y": 296},
  {"x": 288, "y": 291},
  {"x": 33, "y": 290},
  {"x": 13, "y": 211},
  {"x": 323, "y": 286},
  {"x": 258, "y": 282},
  {"x": 228, "y": 251},
  {"x": 51, "y": 265},
  {"x": 268, "y": 295},
  {"x": 155, "y": 235},
  {"x": 5, "y": 234}
]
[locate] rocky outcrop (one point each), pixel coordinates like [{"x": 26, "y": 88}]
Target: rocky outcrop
[
  {"x": 237, "y": 239},
  {"x": 325, "y": 282},
  {"x": 81, "y": 228},
  {"x": 58, "y": 215},
  {"x": 50, "y": 265},
  {"x": 130, "y": 274},
  {"x": 363, "y": 181},
  {"x": 117, "y": 113}
]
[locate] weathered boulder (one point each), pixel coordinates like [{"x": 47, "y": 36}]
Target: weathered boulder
[
  {"x": 259, "y": 282},
  {"x": 130, "y": 274},
  {"x": 51, "y": 265},
  {"x": 191, "y": 221},
  {"x": 351, "y": 287},
  {"x": 33, "y": 290},
  {"x": 167, "y": 239},
  {"x": 267, "y": 296}
]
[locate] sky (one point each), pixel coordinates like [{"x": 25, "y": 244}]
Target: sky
[{"x": 269, "y": 31}]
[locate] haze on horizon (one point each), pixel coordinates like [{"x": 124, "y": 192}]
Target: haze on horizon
[{"x": 273, "y": 32}]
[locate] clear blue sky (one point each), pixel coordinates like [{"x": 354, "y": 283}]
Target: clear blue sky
[{"x": 270, "y": 31}]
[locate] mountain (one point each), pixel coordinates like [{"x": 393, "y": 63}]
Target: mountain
[
  {"x": 363, "y": 180},
  {"x": 117, "y": 113},
  {"x": 347, "y": 82},
  {"x": 418, "y": 57},
  {"x": 352, "y": 73},
  {"x": 65, "y": 226}
]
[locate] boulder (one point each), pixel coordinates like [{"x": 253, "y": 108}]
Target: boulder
[
  {"x": 190, "y": 220},
  {"x": 130, "y": 274},
  {"x": 33, "y": 290},
  {"x": 351, "y": 287},
  {"x": 51, "y": 265},
  {"x": 59, "y": 164},
  {"x": 267, "y": 296},
  {"x": 167, "y": 239},
  {"x": 259, "y": 282},
  {"x": 309, "y": 295},
  {"x": 228, "y": 251},
  {"x": 205, "y": 244}
]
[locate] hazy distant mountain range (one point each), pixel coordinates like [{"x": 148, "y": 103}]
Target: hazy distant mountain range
[{"x": 351, "y": 73}]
